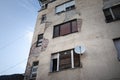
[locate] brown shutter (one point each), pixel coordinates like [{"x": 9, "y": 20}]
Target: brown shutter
[
  {"x": 56, "y": 31},
  {"x": 65, "y": 60},
  {"x": 76, "y": 60},
  {"x": 74, "y": 26},
  {"x": 79, "y": 24},
  {"x": 65, "y": 29}
]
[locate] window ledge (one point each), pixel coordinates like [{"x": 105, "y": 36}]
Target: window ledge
[{"x": 66, "y": 69}]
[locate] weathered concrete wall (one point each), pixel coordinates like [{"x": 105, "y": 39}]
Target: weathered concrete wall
[{"x": 100, "y": 59}]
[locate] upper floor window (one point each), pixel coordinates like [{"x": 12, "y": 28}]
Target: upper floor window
[
  {"x": 65, "y": 28},
  {"x": 44, "y": 6},
  {"x": 64, "y": 60},
  {"x": 40, "y": 40},
  {"x": 43, "y": 19},
  {"x": 117, "y": 45},
  {"x": 65, "y": 6},
  {"x": 111, "y": 10},
  {"x": 34, "y": 70}
]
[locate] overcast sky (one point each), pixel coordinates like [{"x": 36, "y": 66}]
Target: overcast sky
[{"x": 17, "y": 22}]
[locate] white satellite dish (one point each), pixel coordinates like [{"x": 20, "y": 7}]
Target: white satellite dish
[{"x": 79, "y": 49}]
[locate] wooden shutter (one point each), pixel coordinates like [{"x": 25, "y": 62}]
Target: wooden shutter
[
  {"x": 79, "y": 24},
  {"x": 65, "y": 29},
  {"x": 117, "y": 45},
  {"x": 74, "y": 26},
  {"x": 76, "y": 60},
  {"x": 65, "y": 60},
  {"x": 56, "y": 31}
]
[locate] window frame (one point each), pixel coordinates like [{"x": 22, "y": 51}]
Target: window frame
[
  {"x": 58, "y": 60},
  {"x": 59, "y": 27},
  {"x": 112, "y": 14},
  {"x": 39, "y": 41},
  {"x": 43, "y": 18},
  {"x": 34, "y": 72},
  {"x": 118, "y": 51},
  {"x": 64, "y": 7}
]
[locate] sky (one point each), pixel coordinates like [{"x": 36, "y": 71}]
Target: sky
[{"x": 17, "y": 22}]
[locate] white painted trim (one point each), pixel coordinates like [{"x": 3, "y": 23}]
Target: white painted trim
[{"x": 72, "y": 59}]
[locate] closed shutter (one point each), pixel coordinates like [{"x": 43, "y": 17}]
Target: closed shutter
[
  {"x": 65, "y": 60},
  {"x": 56, "y": 31},
  {"x": 76, "y": 60},
  {"x": 60, "y": 8},
  {"x": 65, "y": 29},
  {"x": 117, "y": 45},
  {"x": 116, "y": 11},
  {"x": 74, "y": 26}
]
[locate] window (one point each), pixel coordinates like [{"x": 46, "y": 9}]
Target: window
[
  {"x": 40, "y": 40},
  {"x": 34, "y": 70},
  {"x": 44, "y": 6},
  {"x": 112, "y": 13},
  {"x": 65, "y": 7},
  {"x": 64, "y": 60},
  {"x": 117, "y": 45},
  {"x": 65, "y": 28},
  {"x": 43, "y": 19}
]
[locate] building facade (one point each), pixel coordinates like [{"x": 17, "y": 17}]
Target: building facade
[{"x": 64, "y": 24}]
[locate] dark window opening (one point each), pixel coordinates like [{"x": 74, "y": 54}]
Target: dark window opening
[
  {"x": 43, "y": 19},
  {"x": 112, "y": 13},
  {"x": 117, "y": 45},
  {"x": 70, "y": 8},
  {"x": 54, "y": 65}
]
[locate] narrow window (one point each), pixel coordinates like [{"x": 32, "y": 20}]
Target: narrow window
[
  {"x": 56, "y": 31},
  {"x": 43, "y": 19},
  {"x": 117, "y": 45},
  {"x": 54, "y": 65},
  {"x": 40, "y": 40},
  {"x": 34, "y": 70}
]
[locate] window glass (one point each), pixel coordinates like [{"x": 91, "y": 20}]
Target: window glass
[
  {"x": 74, "y": 26},
  {"x": 116, "y": 11},
  {"x": 65, "y": 29},
  {"x": 56, "y": 31},
  {"x": 65, "y": 60}
]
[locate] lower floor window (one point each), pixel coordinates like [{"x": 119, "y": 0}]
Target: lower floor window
[
  {"x": 117, "y": 45},
  {"x": 34, "y": 70},
  {"x": 64, "y": 60}
]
